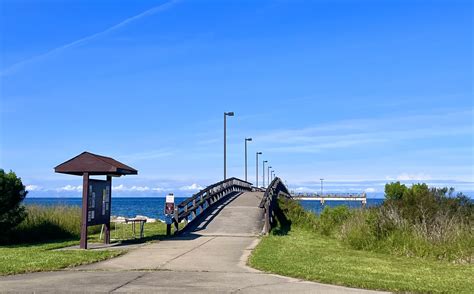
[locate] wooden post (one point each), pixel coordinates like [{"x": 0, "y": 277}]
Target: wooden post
[
  {"x": 176, "y": 219},
  {"x": 85, "y": 196},
  {"x": 107, "y": 224},
  {"x": 267, "y": 218}
]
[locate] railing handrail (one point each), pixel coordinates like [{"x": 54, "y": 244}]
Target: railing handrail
[
  {"x": 275, "y": 189},
  {"x": 208, "y": 188},
  {"x": 340, "y": 195},
  {"x": 205, "y": 198},
  {"x": 271, "y": 190}
]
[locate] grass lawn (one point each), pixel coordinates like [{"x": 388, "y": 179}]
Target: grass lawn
[
  {"x": 16, "y": 259},
  {"x": 123, "y": 233},
  {"x": 311, "y": 256},
  {"x": 23, "y": 258}
]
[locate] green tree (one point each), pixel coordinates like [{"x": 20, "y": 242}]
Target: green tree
[
  {"x": 395, "y": 191},
  {"x": 12, "y": 193}
]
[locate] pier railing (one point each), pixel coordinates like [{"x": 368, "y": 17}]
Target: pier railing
[
  {"x": 189, "y": 209},
  {"x": 276, "y": 189},
  {"x": 328, "y": 195},
  {"x": 362, "y": 197}
]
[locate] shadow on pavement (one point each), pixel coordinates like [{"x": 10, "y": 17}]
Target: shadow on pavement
[{"x": 204, "y": 219}]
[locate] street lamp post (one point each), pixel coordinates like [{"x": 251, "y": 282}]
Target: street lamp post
[
  {"x": 272, "y": 176},
  {"x": 225, "y": 143},
  {"x": 322, "y": 187},
  {"x": 256, "y": 164},
  {"x": 246, "y": 140},
  {"x": 268, "y": 174},
  {"x": 263, "y": 171}
]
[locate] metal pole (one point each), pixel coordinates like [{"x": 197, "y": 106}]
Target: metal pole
[
  {"x": 256, "y": 174},
  {"x": 263, "y": 171},
  {"x": 246, "y": 159},
  {"x": 268, "y": 174},
  {"x": 225, "y": 143},
  {"x": 246, "y": 140},
  {"x": 322, "y": 186},
  {"x": 225, "y": 147}
]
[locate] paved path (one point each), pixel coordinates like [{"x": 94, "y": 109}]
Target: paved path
[{"x": 210, "y": 258}]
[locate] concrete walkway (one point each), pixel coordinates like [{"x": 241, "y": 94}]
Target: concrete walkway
[{"x": 210, "y": 258}]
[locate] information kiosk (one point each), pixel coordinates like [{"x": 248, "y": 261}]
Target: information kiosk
[{"x": 96, "y": 194}]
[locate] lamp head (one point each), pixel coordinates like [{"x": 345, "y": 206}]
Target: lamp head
[
  {"x": 259, "y": 152},
  {"x": 248, "y": 139},
  {"x": 265, "y": 161},
  {"x": 229, "y": 113}
]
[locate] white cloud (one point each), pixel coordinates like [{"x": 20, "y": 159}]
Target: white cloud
[
  {"x": 33, "y": 188},
  {"x": 413, "y": 177},
  {"x": 140, "y": 188},
  {"x": 370, "y": 190},
  {"x": 70, "y": 188},
  {"x": 193, "y": 187},
  {"x": 122, "y": 188}
]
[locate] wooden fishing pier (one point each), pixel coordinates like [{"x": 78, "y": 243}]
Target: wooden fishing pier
[{"x": 362, "y": 197}]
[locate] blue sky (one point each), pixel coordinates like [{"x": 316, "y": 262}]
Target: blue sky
[{"x": 357, "y": 92}]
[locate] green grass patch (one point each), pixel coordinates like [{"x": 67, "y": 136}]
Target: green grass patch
[
  {"x": 312, "y": 256},
  {"x": 124, "y": 233},
  {"x": 347, "y": 247},
  {"x": 30, "y": 247},
  {"x": 17, "y": 259}
]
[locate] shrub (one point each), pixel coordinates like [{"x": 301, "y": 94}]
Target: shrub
[
  {"x": 415, "y": 221},
  {"x": 297, "y": 215},
  {"x": 359, "y": 230},
  {"x": 332, "y": 218},
  {"x": 12, "y": 193},
  {"x": 45, "y": 223}
]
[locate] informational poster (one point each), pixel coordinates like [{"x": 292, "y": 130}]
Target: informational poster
[
  {"x": 169, "y": 204},
  {"x": 98, "y": 202}
]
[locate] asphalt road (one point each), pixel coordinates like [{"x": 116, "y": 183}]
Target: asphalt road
[{"x": 209, "y": 258}]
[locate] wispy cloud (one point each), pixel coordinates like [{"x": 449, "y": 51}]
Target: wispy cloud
[
  {"x": 193, "y": 187},
  {"x": 89, "y": 38},
  {"x": 364, "y": 132}
]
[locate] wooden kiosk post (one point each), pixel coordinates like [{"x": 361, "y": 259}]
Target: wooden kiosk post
[{"x": 96, "y": 194}]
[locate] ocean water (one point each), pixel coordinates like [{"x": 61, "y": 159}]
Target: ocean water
[
  {"x": 121, "y": 206},
  {"x": 153, "y": 206}
]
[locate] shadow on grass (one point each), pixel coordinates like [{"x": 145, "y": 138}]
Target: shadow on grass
[
  {"x": 283, "y": 224},
  {"x": 41, "y": 233}
]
